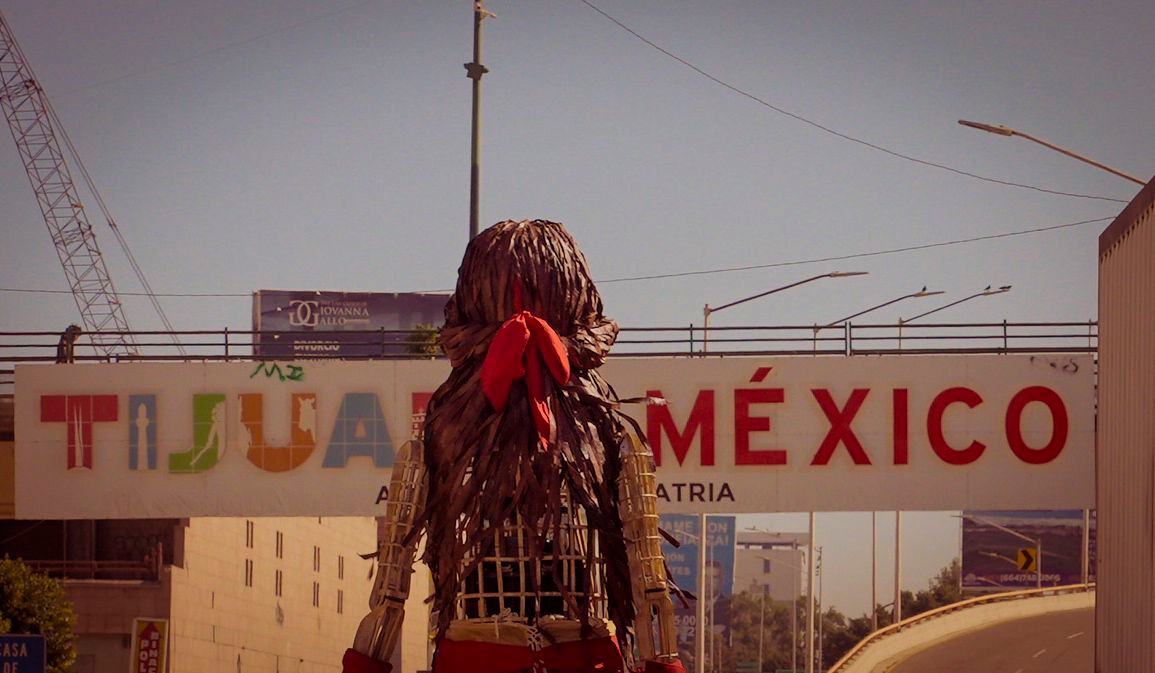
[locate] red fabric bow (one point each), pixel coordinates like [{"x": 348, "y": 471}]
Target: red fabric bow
[{"x": 514, "y": 354}]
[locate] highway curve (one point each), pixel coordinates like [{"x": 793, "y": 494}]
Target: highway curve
[{"x": 1061, "y": 642}]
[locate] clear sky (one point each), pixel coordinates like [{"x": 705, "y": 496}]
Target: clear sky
[{"x": 297, "y": 144}]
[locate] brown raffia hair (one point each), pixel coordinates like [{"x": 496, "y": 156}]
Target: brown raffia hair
[{"x": 485, "y": 467}]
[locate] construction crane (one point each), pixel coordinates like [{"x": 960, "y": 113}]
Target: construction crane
[{"x": 35, "y": 128}]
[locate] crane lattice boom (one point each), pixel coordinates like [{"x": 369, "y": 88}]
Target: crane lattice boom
[{"x": 30, "y": 120}]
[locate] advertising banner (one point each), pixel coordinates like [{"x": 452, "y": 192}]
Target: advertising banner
[
  {"x": 317, "y": 437},
  {"x": 996, "y": 558},
  {"x": 295, "y": 324},
  {"x": 23, "y": 654},
  {"x": 149, "y": 645},
  {"x": 683, "y": 564}
]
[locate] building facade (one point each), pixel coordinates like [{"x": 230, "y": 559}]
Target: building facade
[
  {"x": 1125, "y": 450},
  {"x": 773, "y": 563}
]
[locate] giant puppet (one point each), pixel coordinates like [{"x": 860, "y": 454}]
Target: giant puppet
[{"x": 535, "y": 494}]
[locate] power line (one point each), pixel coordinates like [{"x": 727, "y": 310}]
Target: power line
[
  {"x": 827, "y": 129},
  {"x": 857, "y": 255},
  {"x": 677, "y": 274}
]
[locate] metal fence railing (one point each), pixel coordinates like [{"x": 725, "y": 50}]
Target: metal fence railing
[
  {"x": 687, "y": 341},
  {"x": 923, "y": 617}
]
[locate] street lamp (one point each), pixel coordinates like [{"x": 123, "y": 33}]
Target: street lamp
[
  {"x": 707, "y": 309},
  {"x": 913, "y": 295},
  {"x": 1038, "y": 542},
  {"x": 987, "y": 292},
  {"x": 1004, "y": 131}
]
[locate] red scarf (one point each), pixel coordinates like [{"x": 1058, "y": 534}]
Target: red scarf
[{"x": 516, "y": 352}]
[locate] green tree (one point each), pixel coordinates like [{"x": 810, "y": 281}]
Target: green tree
[
  {"x": 423, "y": 340},
  {"x": 36, "y": 604}
]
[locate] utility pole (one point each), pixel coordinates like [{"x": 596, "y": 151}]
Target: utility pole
[
  {"x": 820, "y": 583},
  {"x": 474, "y": 71},
  {"x": 700, "y": 618},
  {"x": 873, "y": 572},
  {"x": 897, "y": 567},
  {"x": 809, "y": 665}
]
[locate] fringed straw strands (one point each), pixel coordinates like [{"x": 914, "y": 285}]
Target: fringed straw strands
[{"x": 488, "y": 470}]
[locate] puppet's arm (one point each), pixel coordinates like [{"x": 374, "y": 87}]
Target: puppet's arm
[
  {"x": 654, "y": 624},
  {"x": 379, "y": 630}
]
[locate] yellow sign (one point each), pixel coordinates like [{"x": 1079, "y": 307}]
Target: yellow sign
[
  {"x": 1028, "y": 562},
  {"x": 149, "y": 645}
]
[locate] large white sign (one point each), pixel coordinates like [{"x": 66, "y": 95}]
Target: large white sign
[{"x": 317, "y": 438}]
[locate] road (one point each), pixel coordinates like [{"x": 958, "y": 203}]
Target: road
[{"x": 1063, "y": 642}]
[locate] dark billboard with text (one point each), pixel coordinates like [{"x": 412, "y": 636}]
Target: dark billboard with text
[
  {"x": 1008, "y": 550},
  {"x": 296, "y": 324}
]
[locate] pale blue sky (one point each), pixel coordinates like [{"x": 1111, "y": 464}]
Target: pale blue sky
[{"x": 298, "y": 144}]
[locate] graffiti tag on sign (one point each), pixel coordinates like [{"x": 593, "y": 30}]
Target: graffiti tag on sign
[{"x": 295, "y": 373}]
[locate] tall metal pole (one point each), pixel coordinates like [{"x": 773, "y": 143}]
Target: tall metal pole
[
  {"x": 706, "y": 311},
  {"x": 794, "y": 623},
  {"x": 762, "y": 625},
  {"x": 710, "y": 596},
  {"x": 820, "y": 583},
  {"x": 700, "y": 641},
  {"x": 809, "y": 667},
  {"x": 897, "y": 567},
  {"x": 1086, "y": 545},
  {"x": 873, "y": 571},
  {"x": 1039, "y": 563},
  {"x": 474, "y": 71}
]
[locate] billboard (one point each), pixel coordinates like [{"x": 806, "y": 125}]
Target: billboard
[
  {"x": 23, "y": 653},
  {"x": 682, "y": 562},
  {"x": 996, "y": 558},
  {"x": 296, "y": 324},
  {"x": 317, "y": 437},
  {"x": 149, "y": 645}
]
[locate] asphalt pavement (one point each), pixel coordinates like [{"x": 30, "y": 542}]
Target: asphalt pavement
[{"x": 1062, "y": 642}]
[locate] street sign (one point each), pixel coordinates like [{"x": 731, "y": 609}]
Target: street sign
[
  {"x": 1027, "y": 561},
  {"x": 746, "y": 666},
  {"x": 22, "y": 654},
  {"x": 149, "y": 645}
]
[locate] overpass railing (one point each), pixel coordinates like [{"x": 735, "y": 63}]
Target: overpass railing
[
  {"x": 691, "y": 340},
  {"x": 843, "y": 663}
]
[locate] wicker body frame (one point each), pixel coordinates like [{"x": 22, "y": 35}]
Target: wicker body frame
[{"x": 510, "y": 584}]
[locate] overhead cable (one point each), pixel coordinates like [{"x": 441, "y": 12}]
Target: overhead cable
[
  {"x": 857, "y": 255},
  {"x": 676, "y": 274},
  {"x": 827, "y": 129}
]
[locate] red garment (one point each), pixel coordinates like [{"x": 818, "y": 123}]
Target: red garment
[
  {"x": 513, "y": 354},
  {"x": 355, "y": 662},
  {"x": 599, "y": 655},
  {"x": 658, "y": 667}
]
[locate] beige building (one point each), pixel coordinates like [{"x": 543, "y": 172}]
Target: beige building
[
  {"x": 773, "y": 563},
  {"x": 1125, "y": 452}
]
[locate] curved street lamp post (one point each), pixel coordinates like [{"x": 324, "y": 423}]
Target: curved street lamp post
[
  {"x": 987, "y": 292},
  {"x": 707, "y": 310},
  {"x": 1001, "y": 130}
]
